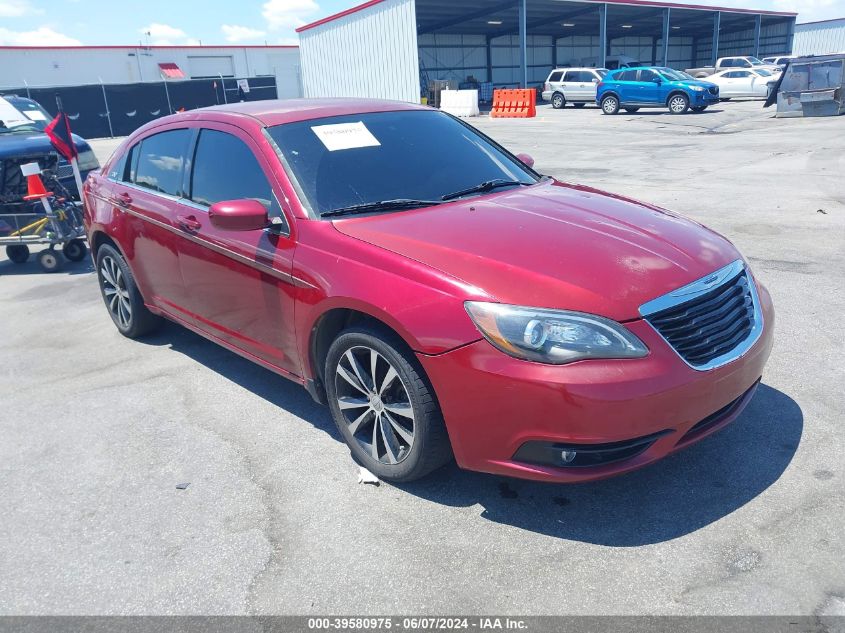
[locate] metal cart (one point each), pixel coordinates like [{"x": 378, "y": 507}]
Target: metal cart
[{"x": 26, "y": 222}]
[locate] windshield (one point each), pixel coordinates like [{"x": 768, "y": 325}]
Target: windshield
[
  {"x": 763, "y": 72},
  {"x": 16, "y": 127},
  {"x": 754, "y": 61},
  {"x": 602, "y": 71},
  {"x": 32, "y": 111},
  {"x": 363, "y": 159},
  {"x": 674, "y": 75}
]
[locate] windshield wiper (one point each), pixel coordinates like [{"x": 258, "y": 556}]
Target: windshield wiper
[
  {"x": 487, "y": 185},
  {"x": 383, "y": 205}
]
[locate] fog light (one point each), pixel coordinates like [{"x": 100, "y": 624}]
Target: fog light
[{"x": 567, "y": 456}]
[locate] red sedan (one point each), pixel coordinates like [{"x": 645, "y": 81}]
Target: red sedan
[{"x": 442, "y": 297}]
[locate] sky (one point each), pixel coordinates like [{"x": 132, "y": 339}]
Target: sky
[{"x": 175, "y": 22}]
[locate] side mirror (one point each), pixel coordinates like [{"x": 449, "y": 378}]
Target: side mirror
[
  {"x": 595, "y": 81},
  {"x": 526, "y": 159},
  {"x": 657, "y": 80},
  {"x": 238, "y": 215}
]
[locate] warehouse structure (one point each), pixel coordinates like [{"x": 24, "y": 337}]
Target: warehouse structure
[
  {"x": 820, "y": 38},
  {"x": 390, "y": 48},
  {"x": 41, "y": 66}
]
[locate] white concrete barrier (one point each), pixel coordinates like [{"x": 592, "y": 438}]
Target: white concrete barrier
[{"x": 459, "y": 102}]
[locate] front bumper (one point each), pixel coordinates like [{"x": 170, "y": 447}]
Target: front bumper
[
  {"x": 494, "y": 404},
  {"x": 704, "y": 98}
]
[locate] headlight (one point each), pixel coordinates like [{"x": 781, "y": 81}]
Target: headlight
[
  {"x": 553, "y": 336},
  {"x": 697, "y": 88},
  {"x": 87, "y": 160}
]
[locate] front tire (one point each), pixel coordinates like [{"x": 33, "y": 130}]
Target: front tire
[
  {"x": 610, "y": 105},
  {"x": 632, "y": 110},
  {"x": 17, "y": 253},
  {"x": 383, "y": 405},
  {"x": 558, "y": 101},
  {"x": 699, "y": 108},
  {"x": 121, "y": 296},
  {"x": 678, "y": 103}
]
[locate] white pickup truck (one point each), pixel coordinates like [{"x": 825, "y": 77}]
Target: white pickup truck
[{"x": 728, "y": 63}]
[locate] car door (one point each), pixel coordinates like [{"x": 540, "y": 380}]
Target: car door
[
  {"x": 146, "y": 190},
  {"x": 647, "y": 87},
  {"x": 238, "y": 282},
  {"x": 593, "y": 79},
  {"x": 743, "y": 82},
  {"x": 628, "y": 86}
]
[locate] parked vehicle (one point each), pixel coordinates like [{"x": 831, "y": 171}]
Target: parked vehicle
[
  {"x": 440, "y": 295},
  {"x": 726, "y": 63},
  {"x": 780, "y": 61},
  {"x": 654, "y": 87},
  {"x": 612, "y": 62},
  {"x": 756, "y": 83},
  {"x": 22, "y": 140},
  {"x": 572, "y": 85}
]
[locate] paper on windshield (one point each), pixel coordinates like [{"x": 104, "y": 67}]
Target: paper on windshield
[
  {"x": 345, "y": 136},
  {"x": 35, "y": 115}
]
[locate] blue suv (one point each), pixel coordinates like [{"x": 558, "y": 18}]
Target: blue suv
[{"x": 654, "y": 87}]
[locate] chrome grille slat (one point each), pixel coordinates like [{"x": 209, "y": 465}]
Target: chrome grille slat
[{"x": 710, "y": 321}]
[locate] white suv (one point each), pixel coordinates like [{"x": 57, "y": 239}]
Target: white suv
[{"x": 572, "y": 85}]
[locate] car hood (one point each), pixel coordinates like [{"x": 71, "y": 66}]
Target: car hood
[
  {"x": 697, "y": 82},
  {"x": 555, "y": 246},
  {"x": 31, "y": 143}
]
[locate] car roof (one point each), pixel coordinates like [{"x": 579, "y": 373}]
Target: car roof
[{"x": 275, "y": 112}]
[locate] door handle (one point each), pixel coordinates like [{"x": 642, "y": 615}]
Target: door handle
[
  {"x": 188, "y": 222},
  {"x": 123, "y": 199}
]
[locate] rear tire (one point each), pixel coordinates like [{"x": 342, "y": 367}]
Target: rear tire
[
  {"x": 558, "y": 101},
  {"x": 610, "y": 105},
  {"x": 121, "y": 296},
  {"x": 383, "y": 405},
  {"x": 678, "y": 103},
  {"x": 17, "y": 253},
  {"x": 75, "y": 250}
]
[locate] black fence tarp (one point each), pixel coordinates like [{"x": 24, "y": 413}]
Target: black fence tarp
[{"x": 98, "y": 110}]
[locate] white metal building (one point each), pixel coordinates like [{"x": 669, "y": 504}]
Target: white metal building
[
  {"x": 820, "y": 38},
  {"x": 80, "y": 65},
  {"x": 393, "y": 48}
]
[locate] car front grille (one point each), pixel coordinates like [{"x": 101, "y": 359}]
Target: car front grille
[
  {"x": 711, "y": 321},
  {"x": 64, "y": 170}
]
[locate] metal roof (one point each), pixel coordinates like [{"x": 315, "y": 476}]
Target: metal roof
[{"x": 546, "y": 17}]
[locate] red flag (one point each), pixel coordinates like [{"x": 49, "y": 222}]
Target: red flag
[{"x": 60, "y": 136}]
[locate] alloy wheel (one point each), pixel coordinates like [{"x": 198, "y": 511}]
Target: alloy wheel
[
  {"x": 557, "y": 101},
  {"x": 116, "y": 292},
  {"x": 678, "y": 104},
  {"x": 609, "y": 105},
  {"x": 375, "y": 404}
]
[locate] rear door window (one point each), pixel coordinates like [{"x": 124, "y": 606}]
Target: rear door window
[
  {"x": 161, "y": 160},
  {"x": 555, "y": 76},
  {"x": 648, "y": 75},
  {"x": 627, "y": 75}
]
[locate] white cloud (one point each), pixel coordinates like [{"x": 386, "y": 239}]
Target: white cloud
[
  {"x": 16, "y": 8},
  {"x": 235, "y": 33},
  {"x": 809, "y": 10},
  {"x": 164, "y": 34},
  {"x": 286, "y": 14},
  {"x": 42, "y": 36},
  {"x": 288, "y": 41}
]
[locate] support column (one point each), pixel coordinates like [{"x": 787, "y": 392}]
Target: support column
[
  {"x": 667, "y": 14},
  {"x": 717, "y": 23},
  {"x": 654, "y": 51},
  {"x": 758, "y": 24},
  {"x": 523, "y": 42},
  {"x": 602, "y": 61},
  {"x": 489, "y": 60},
  {"x": 554, "y": 52}
]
